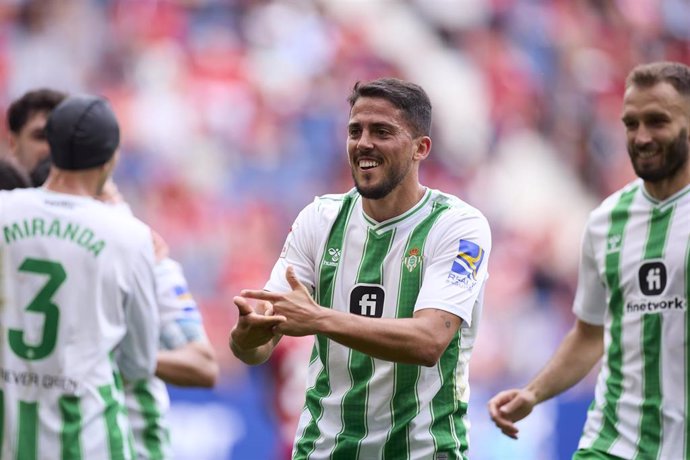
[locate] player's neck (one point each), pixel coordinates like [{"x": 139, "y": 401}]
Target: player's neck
[
  {"x": 666, "y": 188},
  {"x": 396, "y": 203},
  {"x": 80, "y": 183}
]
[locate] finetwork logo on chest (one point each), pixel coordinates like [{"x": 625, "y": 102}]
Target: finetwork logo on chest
[
  {"x": 466, "y": 265},
  {"x": 652, "y": 278}
]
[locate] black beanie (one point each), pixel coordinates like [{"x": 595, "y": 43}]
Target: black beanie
[{"x": 82, "y": 132}]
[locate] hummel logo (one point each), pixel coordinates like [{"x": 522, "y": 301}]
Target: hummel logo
[
  {"x": 334, "y": 253},
  {"x": 613, "y": 244}
]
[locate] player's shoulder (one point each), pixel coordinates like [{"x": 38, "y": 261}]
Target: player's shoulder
[
  {"x": 456, "y": 209},
  {"x": 328, "y": 206},
  {"x": 122, "y": 224},
  {"x": 18, "y": 196},
  {"x": 603, "y": 211}
]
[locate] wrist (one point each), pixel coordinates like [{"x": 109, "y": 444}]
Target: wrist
[
  {"x": 533, "y": 394},
  {"x": 235, "y": 347}
]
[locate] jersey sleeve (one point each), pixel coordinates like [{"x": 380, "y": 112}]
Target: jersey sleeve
[
  {"x": 299, "y": 251},
  {"x": 139, "y": 347},
  {"x": 180, "y": 319},
  {"x": 456, "y": 270},
  {"x": 590, "y": 297}
]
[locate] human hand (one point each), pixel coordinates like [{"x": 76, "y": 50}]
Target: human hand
[
  {"x": 297, "y": 306},
  {"x": 254, "y": 327},
  {"x": 510, "y": 406}
]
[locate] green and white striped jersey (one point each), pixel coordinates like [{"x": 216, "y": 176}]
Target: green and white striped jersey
[
  {"x": 147, "y": 400},
  {"x": 78, "y": 295},
  {"x": 634, "y": 280},
  {"x": 433, "y": 256}
]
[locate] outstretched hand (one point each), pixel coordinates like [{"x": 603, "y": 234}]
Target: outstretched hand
[
  {"x": 510, "y": 406},
  {"x": 254, "y": 328},
  {"x": 296, "y": 306}
]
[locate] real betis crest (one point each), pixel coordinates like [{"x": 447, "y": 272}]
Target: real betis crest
[{"x": 412, "y": 259}]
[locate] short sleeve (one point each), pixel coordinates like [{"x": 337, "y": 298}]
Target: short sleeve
[
  {"x": 181, "y": 321},
  {"x": 298, "y": 251},
  {"x": 139, "y": 347},
  {"x": 457, "y": 266},
  {"x": 590, "y": 298}
]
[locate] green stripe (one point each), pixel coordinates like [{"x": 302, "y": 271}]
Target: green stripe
[
  {"x": 155, "y": 434},
  {"x": 649, "y": 443},
  {"x": 405, "y": 402},
  {"x": 120, "y": 387},
  {"x": 619, "y": 219},
  {"x": 306, "y": 444},
  {"x": 687, "y": 353},
  {"x": 70, "y": 436},
  {"x": 27, "y": 447},
  {"x": 361, "y": 366},
  {"x": 448, "y": 412},
  {"x": 116, "y": 438}
]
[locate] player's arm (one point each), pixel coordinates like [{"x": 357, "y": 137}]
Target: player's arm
[
  {"x": 577, "y": 354},
  {"x": 191, "y": 365},
  {"x": 139, "y": 348},
  {"x": 420, "y": 340},
  {"x": 186, "y": 357}
]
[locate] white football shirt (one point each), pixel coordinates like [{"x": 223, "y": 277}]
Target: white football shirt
[
  {"x": 635, "y": 281},
  {"x": 76, "y": 283},
  {"x": 147, "y": 400},
  {"x": 433, "y": 256}
]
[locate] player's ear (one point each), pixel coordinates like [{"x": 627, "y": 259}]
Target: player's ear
[{"x": 423, "y": 149}]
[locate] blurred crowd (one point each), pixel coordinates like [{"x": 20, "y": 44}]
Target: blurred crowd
[{"x": 233, "y": 116}]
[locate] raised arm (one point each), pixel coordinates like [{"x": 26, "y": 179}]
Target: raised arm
[{"x": 577, "y": 354}]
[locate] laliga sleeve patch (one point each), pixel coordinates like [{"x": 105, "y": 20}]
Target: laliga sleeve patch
[{"x": 466, "y": 265}]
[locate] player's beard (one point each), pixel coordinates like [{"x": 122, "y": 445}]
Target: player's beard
[
  {"x": 392, "y": 177},
  {"x": 674, "y": 157}
]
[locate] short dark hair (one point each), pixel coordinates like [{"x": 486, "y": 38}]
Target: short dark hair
[
  {"x": 408, "y": 97},
  {"x": 38, "y": 100},
  {"x": 674, "y": 73},
  {"x": 12, "y": 176}
]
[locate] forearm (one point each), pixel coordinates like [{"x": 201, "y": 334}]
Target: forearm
[
  {"x": 193, "y": 365},
  {"x": 420, "y": 340},
  {"x": 579, "y": 351}
]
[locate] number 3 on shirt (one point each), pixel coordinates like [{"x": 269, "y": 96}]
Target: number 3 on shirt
[{"x": 42, "y": 303}]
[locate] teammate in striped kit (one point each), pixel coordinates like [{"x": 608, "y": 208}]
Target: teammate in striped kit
[
  {"x": 633, "y": 288},
  {"x": 186, "y": 358},
  {"x": 78, "y": 300},
  {"x": 390, "y": 278}
]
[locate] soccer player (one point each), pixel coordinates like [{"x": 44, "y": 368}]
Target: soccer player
[
  {"x": 186, "y": 358},
  {"x": 78, "y": 299},
  {"x": 389, "y": 277},
  {"x": 26, "y": 120},
  {"x": 632, "y": 297}
]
